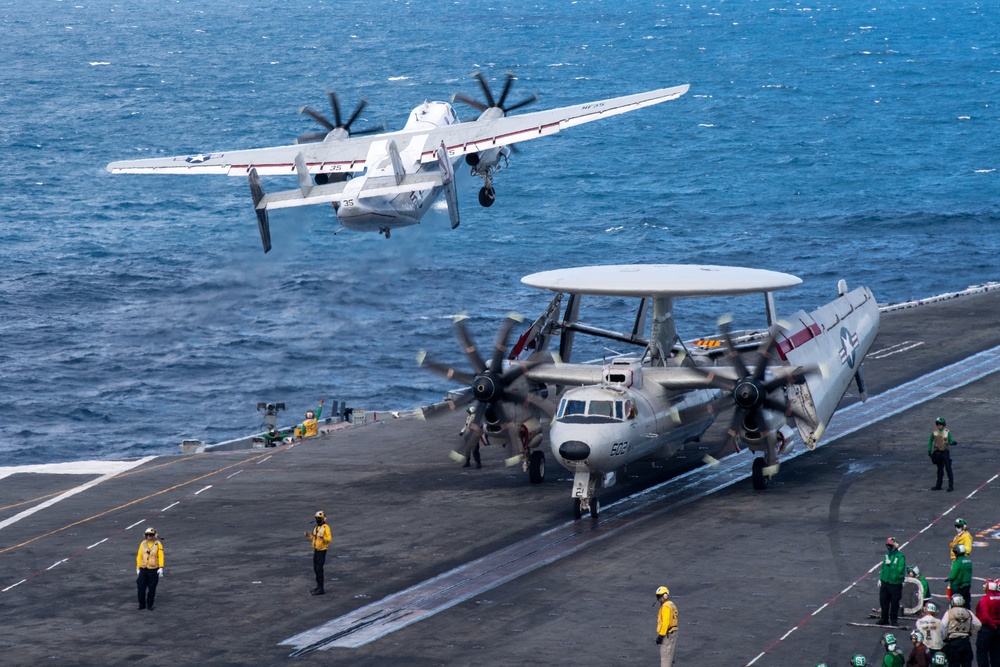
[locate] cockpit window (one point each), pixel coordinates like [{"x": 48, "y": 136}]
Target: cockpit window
[
  {"x": 590, "y": 412},
  {"x": 569, "y": 408}
]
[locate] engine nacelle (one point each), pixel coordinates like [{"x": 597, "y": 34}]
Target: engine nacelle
[
  {"x": 752, "y": 433},
  {"x": 488, "y": 161}
]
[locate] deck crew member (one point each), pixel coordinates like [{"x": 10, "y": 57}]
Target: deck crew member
[
  {"x": 988, "y": 613},
  {"x": 960, "y": 577},
  {"x": 309, "y": 427},
  {"x": 958, "y": 626},
  {"x": 666, "y": 627},
  {"x": 930, "y": 626},
  {"x": 893, "y": 656},
  {"x": 962, "y": 536},
  {"x": 890, "y": 579},
  {"x": 938, "y": 449},
  {"x": 148, "y": 568},
  {"x": 920, "y": 655},
  {"x": 321, "y": 539}
]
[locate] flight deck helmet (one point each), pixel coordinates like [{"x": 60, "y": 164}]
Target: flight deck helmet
[
  {"x": 939, "y": 658},
  {"x": 663, "y": 590},
  {"x": 959, "y": 549},
  {"x": 930, "y": 608},
  {"x": 150, "y": 531},
  {"x": 990, "y": 586},
  {"x": 858, "y": 660},
  {"x": 891, "y": 543},
  {"x": 939, "y": 421},
  {"x": 957, "y": 600},
  {"x": 889, "y": 640},
  {"x": 913, "y": 571},
  {"x": 960, "y": 523},
  {"x": 917, "y": 636}
]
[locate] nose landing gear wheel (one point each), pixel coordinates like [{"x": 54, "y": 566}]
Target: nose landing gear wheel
[
  {"x": 536, "y": 467},
  {"x": 595, "y": 508},
  {"x": 757, "y": 474},
  {"x": 577, "y": 510}
]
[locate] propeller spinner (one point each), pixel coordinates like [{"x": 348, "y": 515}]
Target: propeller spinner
[
  {"x": 338, "y": 122},
  {"x": 491, "y": 102}
]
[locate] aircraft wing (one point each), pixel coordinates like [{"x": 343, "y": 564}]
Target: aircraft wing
[
  {"x": 477, "y": 136},
  {"x": 328, "y": 157},
  {"x": 680, "y": 378}
]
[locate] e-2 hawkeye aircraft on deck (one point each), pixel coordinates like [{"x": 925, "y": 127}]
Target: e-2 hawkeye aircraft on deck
[
  {"x": 403, "y": 171},
  {"x": 648, "y": 405}
]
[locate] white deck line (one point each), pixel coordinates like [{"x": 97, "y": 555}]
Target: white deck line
[{"x": 110, "y": 469}]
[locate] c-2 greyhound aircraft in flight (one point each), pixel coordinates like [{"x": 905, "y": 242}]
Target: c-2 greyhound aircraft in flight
[
  {"x": 648, "y": 405},
  {"x": 402, "y": 172}
]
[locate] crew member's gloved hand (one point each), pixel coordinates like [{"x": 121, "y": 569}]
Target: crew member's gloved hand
[
  {"x": 137, "y": 572},
  {"x": 659, "y": 639},
  {"x": 159, "y": 572}
]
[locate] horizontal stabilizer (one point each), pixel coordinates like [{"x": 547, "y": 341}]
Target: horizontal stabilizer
[
  {"x": 318, "y": 194},
  {"x": 263, "y": 225}
]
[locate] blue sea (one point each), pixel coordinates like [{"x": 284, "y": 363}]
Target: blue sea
[{"x": 855, "y": 140}]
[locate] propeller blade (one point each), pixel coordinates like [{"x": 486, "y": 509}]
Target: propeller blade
[
  {"x": 500, "y": 346},
  {"x": 476, "y": 104},
  {"x": 335, "y": 105},
  {"x": 357, "y": 112},
  {"x": 430, "y": 411},
  {"x": 447, "y": 371},
  {"x": 462, "y": 332},
  {"x": 731, "y": 349},
  {"x": 788, "y": 409},
  {"x": 312, "y": 136},
  {"x": 523, "y": 103},
  {"x": 370, "y": 130},
  {"x": 763, "y": 357},
  {"x": 717, "y": 381},
  {"x": 486, "y": 89},
  {"x": 506, "y": 89},
  {"x": 318, "y": 117}
]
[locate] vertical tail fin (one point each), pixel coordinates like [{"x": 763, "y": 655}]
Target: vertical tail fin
[
  {"x": 448, "y": 181},
  {"x": 263, "y": 224}
]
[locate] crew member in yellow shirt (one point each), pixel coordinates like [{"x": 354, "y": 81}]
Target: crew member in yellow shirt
[
  {"x": 962, "y": 536},
  {"x": 321, "y": 539},
  {"x": 666, "y": 627},
  {"x": 148, "y": 568}
]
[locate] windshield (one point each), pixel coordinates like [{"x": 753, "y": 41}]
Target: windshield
[{"x": 575, "y": 411}]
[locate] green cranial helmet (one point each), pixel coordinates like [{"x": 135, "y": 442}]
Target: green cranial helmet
[
  {"x": 858, "y": 660},
  {"x": 888, "y": 639},
  {"x": 939, "y": 421},
  {"x": 913, "y": 571},
  {"x": 959, "y": 523},
  {"x": 959, "y": 549},
  {"x": 939, "y": 658}
]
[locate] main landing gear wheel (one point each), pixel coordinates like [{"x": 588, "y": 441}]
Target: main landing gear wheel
[
  {"x": 577, "y": 508},
  {"x": 487, "y": 196},
  {"x": 757, "y": 476},
  {"x": 536, "y": 467},
  {"x": 595, "y": 508}
]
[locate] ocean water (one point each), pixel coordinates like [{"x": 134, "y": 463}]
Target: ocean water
[{"x": 855, "y": 140}]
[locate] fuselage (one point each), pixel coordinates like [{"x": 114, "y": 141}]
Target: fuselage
[
  {"x": 602, "y": 428},
  {"x": 383, "y": 212}
]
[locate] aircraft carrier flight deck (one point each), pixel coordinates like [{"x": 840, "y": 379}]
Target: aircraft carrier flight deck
[{"x": 435, "y": 564}]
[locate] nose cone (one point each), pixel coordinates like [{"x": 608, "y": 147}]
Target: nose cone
[{"x": 574, "y": 450}]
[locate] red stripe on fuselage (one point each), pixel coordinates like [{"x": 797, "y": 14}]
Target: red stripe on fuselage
[{"x": 798, "y": 339}]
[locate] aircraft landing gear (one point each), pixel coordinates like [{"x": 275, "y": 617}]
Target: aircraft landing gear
[
  {"x": 385, "y": 231},
  {"x": 487, "y": 195},
  {"x": 536, "y": 467},
  {"x": 585, "y": 487},
  {"x": 757, "y": 474}
]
